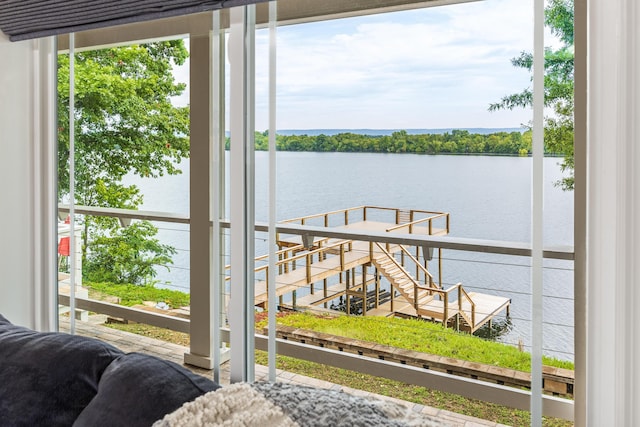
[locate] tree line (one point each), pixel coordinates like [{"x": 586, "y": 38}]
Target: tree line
[{"x": 454, "y": 142}]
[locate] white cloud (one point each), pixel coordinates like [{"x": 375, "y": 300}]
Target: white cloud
[
  {"x": 433, "y": 67},
  {"x": 181, "y": 75}
]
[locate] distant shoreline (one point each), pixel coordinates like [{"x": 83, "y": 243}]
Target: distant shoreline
[
  {"x": 473, "y": 141},
  {"x": 550, "y": 155},
  {"x": 388, "y": 132}
]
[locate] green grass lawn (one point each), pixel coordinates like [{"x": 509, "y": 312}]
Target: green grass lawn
[
  {"x": 417, "y": 335},
  {"x": 136, "y": 294}
]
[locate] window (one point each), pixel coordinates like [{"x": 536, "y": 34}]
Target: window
[{"x": 396, "y": 207}]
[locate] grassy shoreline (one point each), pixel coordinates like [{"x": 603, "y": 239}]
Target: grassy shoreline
[
  {"x": 411, "y": 334},
  {"x": 406, "y": 333},
  {"x": 418, "y": 335}
]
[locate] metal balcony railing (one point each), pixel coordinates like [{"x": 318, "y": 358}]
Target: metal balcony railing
[{"x": 468, "y": 387}]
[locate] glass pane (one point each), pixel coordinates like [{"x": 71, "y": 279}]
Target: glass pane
[
  {"x": 390, "y": 112},
  {"x": 131, "y": 148}
]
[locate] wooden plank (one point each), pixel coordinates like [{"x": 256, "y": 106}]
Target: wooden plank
[{"x": 435, "y": 309}]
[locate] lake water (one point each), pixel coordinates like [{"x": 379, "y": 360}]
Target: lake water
[{"x": 488, "y": 197}]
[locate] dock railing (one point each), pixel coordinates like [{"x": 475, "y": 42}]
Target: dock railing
[
  {"x": 295, "y": 257},
  {"x": 344, "y": 217},
  {"x": 428, "y": 277},
  {"x": 462, "y": 294},
  {"x": 445, "y": 296},
  {"x": 342, "y": 214},
  {"x": 283, "y": 266},
  {"x": 409, "y": 227}
]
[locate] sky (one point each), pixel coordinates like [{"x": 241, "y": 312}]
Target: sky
[{"x": 437, "y": 67}]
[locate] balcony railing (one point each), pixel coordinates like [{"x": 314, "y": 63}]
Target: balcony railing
[{"x": 468, "y": 387}]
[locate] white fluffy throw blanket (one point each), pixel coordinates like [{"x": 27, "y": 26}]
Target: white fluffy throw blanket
[{"x": 276, "y": 404}]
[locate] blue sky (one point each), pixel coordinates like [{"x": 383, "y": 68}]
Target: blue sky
[{"x": 436, "y": 67}]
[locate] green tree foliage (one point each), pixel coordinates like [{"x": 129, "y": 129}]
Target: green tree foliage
[
  {"x": 127, "y": 255},
  {"x": 558, "y": 93},
  {"x": 456, "y": 142},
  {"x": 124, "y": 123}
]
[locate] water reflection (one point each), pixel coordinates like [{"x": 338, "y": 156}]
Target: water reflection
[{"x": 495, "y": 329}]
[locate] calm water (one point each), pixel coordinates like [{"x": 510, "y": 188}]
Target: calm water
[{"x": 487, "y": 197}]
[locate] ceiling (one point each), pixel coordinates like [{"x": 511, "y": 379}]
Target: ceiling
[{"x": 28, "y": 19}]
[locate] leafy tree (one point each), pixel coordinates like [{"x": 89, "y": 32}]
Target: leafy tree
[
  {"x": 558, "y": 93},
  {"x": 127, "y": 255},
  {"x": 124, "y": 123}
]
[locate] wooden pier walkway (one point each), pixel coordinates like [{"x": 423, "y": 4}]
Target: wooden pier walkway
[{"x": 358, "y": 271}]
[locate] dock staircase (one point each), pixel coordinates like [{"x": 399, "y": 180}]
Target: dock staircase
[
  {"x": 426, "y": 297},
  {"x": 404, "y": 282}
]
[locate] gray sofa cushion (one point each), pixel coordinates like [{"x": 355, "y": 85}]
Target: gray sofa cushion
[
  {"x": 137, "y": 389},
  {"x": 47, "y": 379}
]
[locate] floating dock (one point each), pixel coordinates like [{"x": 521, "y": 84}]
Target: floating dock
[{"x": 372, "y": 278}]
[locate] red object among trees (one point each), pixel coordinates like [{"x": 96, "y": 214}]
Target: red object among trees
[
  {"x": 63, "y": 246},
  {"x": 64, "y": 243}
]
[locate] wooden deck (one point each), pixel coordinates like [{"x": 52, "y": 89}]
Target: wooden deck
[
  {"x": 487, "y": 307},
  {"x": 356, "y": 269}
]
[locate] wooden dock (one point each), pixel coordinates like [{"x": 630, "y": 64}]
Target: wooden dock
[
  {"x": 358, "y": 272},
  {"x": 487, "y": 307}
]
